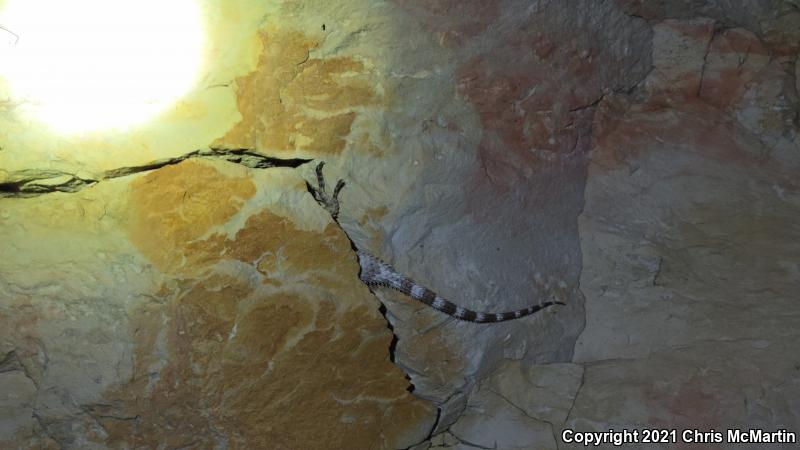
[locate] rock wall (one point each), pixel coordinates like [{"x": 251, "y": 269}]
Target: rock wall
[
  {"x": 689, "y": 234},
  {"x": 162, "y": 287},
  {"x": 197, "y": 306},
  {"x": 156, "y": 296}
]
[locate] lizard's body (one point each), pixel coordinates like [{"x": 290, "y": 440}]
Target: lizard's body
[{"x": 375, "y": 272}]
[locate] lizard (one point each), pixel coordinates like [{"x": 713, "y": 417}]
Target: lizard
[{"x": 376, "y": 273}]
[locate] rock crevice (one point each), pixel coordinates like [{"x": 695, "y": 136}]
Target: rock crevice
[{"x": 33, "y": 182}]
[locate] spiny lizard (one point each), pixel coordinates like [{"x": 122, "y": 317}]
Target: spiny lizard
[{"x": 375, "y": 272}]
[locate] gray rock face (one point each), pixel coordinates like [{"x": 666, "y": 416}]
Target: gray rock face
[
  {"x": 690, "y": 246},
  {"x": 773, "y": 20},
  {"x": 491, "y": 423},
  {"x": 500, "y": 178},
  {"x": 522, "y": 406},
  {"x": 688, "y": 241}
]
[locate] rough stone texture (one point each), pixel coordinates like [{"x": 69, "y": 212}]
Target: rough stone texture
[
  {"x": 519, "y": 407},
  {"x": 544, "y": 392},
  {"x": 707, "y": 385},
  {"x": 239, "y": 322},
  {"x": 689, "y": 247},
  {"x": 690, "y": 243},
  {"x": 281, "y": 101},
  {"x": 774, "y": 20},
  {"x": 690, "y": 196},
  {"x": 201, "y": 302},
  {"x": 531, "y": 83},
  {"x": 491, "y": 423}
]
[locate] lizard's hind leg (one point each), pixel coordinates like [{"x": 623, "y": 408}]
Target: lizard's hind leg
[{"x": 329, "y": 202}]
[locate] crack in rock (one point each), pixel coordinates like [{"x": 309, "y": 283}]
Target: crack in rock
[
  {"x": 47, "y": 429},
  {"x": 32, "y": 182},
  {"x": 715, "y": 32},
  {"x": 467, "y": 443},
  {"x": 104, "y": 411},
  {"x": 525, "y": 413},
  {"x": 9, "y": 362},
  {"x": 575, "y": 398}
]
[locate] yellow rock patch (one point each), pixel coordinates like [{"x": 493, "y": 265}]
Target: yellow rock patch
[
  {"x": 293, "y": 103},
  {"x": 268, "y": 341},
  {"x": 173, "y": 207}
]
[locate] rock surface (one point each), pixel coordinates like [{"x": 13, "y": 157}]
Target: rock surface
[
  {"x": 532, "y": 84},
  {"x": 213, "y": 299},
  {"x": 690, "y": 243},
  {"x": 635, "y": 160},
  {"x": 689, "y": 247}
]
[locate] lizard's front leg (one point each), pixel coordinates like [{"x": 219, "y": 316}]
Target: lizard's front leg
[{"x": 329, "y": 202}]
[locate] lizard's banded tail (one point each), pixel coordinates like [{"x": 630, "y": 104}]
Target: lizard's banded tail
[{"x": 375, "y": 272}]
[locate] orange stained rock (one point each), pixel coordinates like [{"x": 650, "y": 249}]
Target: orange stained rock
[
  {"x": 293, "y": 103},
  {"x": 174, "y": 207},
  {"x": 287, "y": 351}
]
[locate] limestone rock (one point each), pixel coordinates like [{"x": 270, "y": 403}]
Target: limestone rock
[
  {"x": 545, "y": 392},
  {"x": 689, "y": 246},
  {"x": 491, "y": 422},
  {"x": 224, "y": 312},
  {"x": 734, "y": 58},
  {"x": 708, "y": 385},
  {"x": 782, "y": 30},
  {"x": 679, "y": 58},
  {"x": 166, "y": 286},
  {"x": 774, "y": 21},
  {"x": 450, "y": 411},
  {"x": 525, "y": 89},
  {"x": 517, "y": 407},
  {"x": 19, "y": 396}
]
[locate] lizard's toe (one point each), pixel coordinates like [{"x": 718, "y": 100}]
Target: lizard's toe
[{"x": 329, "y": 202}]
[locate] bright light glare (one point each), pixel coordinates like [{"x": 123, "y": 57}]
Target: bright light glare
[{"x": 83, "y": 65}]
